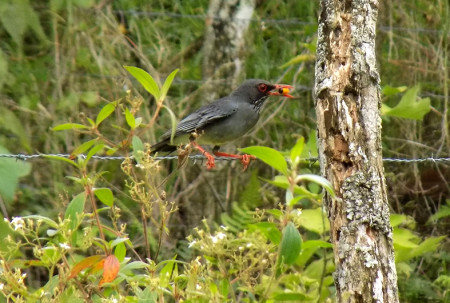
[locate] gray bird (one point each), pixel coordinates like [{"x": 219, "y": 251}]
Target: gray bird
[{"x": 223, "y": 120}]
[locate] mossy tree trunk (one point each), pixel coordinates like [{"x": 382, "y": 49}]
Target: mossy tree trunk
[{"x": 349, "y": 137}]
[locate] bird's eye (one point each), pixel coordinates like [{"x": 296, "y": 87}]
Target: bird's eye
[{"x": 262, "y": 87}]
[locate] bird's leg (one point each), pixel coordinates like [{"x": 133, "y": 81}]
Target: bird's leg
[
  {"x": 210, "y": 162},
  {"x": 245, "y": 158}
]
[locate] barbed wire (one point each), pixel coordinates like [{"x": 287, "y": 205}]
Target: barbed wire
[
  {"x": 298, "y": 87},
  {"x": 291, "y": 21},
  {"x": 26, "y": 157}
]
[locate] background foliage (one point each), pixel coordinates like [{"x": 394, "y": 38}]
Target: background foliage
[{"x": 62, "y": 62}]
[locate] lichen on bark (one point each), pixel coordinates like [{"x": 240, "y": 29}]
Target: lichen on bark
[{"x": 349, "y": 140}]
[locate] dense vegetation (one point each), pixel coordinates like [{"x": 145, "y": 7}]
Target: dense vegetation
[{"x": 209, "y": 235}]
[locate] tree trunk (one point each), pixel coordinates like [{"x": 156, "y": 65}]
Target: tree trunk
[
  {"x": 224, "y": 44},
  {"x": 349, "y": 138}
]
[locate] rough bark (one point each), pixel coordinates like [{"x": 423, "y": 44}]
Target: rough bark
[{"x": 349, "y": 137}]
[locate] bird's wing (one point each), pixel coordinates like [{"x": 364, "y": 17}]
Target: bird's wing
[{"x": 203, "y": 117}]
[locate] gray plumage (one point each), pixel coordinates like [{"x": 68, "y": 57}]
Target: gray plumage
[{"x": 221, "y": 121}]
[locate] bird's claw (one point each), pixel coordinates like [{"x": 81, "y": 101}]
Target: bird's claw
[
  {"x": 245, "y": 160},
  {"x": 210, "y": 164}
]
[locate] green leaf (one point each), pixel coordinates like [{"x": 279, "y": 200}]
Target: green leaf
[
  {"x": 310, "y": 148},
  {"x": 75, "y": 207},
  {"x": 299, "y": 59},
  {"x": 317, "y": 179},
  {"x": 130, "y": 119},
  {"x": 409, "y": 107},
  {"x": 390, "y": 90},
  {"x": 105, "y": 112},
  {"x": 66, "y": 126},
  {"x": 167, "y": 83},
  {"x": 289, "y": 296},
  {"x": 94, "y": 151},
  {"x": 296, "y": 151},
  {"x": 269, "y": 155},
  {"x": 268, "y": 229},
  {"x": 316, "y": 244},
  {"x": 173, "y": 120},
  {"x": 105, "y": 195},
  {"x": 84, "y": 147},
  {"x": 282, "y": 182},
  {"x": 11, "y": 122},
  {"x": 49, "y": 221},
  {"x": 291, "y": 244},
  {"x": 117, "y": 241},
  {"x": 404, "y": 238},
  {"x": 397, "y": 219},
  {"x": 62, "y": 159},
  {"x": 146, "y": 80},
  {"x": 138, "y": 146},
  {"x": 444, "y": 211},
  {"x": 314, "y": 220},
  {"x": 121, "y": 251},
  {"x": 11, "y": 170}
]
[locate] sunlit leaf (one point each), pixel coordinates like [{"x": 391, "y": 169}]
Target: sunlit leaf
[
  {"x": 120, "y": 251},
  {"x": 146, "y": 80},
  {"x": 66, "y": 126},
  {"x": 167, "y": 83},
  {"x": 105, "y": 112},
  {"x": 409, "y": 107},
  {"x": 83, "y": 147},
  {"x": 93, "y": 151},
  {"x": 130, "y": 119},
  {"x": 296, "y": 151},
  {"x": 105, "y": 195},
  {"x": 269, "y": 155},
  {"x": 390, "y": 90},
  {"x": 319, "y": 180}
]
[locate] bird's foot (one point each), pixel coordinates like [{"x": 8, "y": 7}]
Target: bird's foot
[
  {"x": 210, "y": 164},
  {"x": 245, "y": 160}
]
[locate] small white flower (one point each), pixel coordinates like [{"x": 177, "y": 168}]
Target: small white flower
[
  {"x": 192, "y": 243},
  {"x": 249, "y": 244},
  {"x": 64, "y": 246},
  {"x": 114, "y": 300},
  {"x": 221, "y": 236},
  {"x": 241, "y": 248},
  {"x": 198, "y": 287},
  {"x": 2, "y": 286},
  {"x": 224, "y": 227},
  {"x": 140, "y": 166},
  {"x": 18, "y": 223}
]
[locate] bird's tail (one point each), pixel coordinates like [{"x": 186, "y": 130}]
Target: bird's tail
[{"x": 163, "y": 146}]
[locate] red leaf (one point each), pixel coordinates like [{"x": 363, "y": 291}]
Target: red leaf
[
  {"x": 110, "y": 269},
  {"x": 83, "y": 264}
]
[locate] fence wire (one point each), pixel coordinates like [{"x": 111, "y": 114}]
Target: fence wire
[
  {"x": 290, "y": 21},
  {"x": 26, "y": 157}
]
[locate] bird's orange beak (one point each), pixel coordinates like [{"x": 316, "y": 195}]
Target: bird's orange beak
[{"x": 282, "y": 90}]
